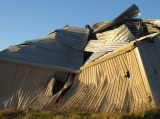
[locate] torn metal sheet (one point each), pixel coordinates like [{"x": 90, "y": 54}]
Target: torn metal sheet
[
  {"x": 138, "y": 27},
  {"x": 131, "y": 12},
  {"x": 109, "y": 41}
]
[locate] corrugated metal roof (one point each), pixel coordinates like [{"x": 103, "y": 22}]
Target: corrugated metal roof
[
  {"x": 109, "y": 41},
  {"x": 103, "y": 46},
  {"x": 120, "y": 34},
  {"x": 62, "y": 48}
]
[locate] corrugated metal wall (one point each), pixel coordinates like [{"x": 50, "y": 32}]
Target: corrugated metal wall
[
  {"x": 115, "y": 84},
  {"x": 150, "y": 55},
  {"x": 25, "y": 87}
]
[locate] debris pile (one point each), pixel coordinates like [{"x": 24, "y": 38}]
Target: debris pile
[
  {"x": 111, "y": 66},
  {"x": 125, "y": 28}
]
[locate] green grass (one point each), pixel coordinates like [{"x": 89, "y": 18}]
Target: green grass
[{"x": 16, "y": 114}]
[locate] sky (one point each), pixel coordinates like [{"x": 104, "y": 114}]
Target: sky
[{"x": 22, "y": 20}]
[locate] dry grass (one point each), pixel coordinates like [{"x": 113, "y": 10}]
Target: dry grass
[
  {"x": 16, "y": 114},
  {"x": 11, "y": 114}
]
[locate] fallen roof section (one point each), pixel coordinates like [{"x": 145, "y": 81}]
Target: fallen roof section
[
  {"x": 61, "y": 50},
  {"x": 121, "y": 50}
]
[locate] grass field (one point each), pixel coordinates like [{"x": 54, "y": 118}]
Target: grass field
[{"x": 16, "y": 114}]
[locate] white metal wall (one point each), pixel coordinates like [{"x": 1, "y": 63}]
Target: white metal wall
[
  {"x": 23, "y": 86},
  {"x": 115, "y": 84},
  {"x": 150, "y": 55}
]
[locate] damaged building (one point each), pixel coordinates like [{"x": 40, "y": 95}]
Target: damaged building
[{"x": 111, "y": 66}]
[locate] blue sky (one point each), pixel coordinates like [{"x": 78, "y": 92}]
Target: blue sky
[{"x": 22, "y": 20}]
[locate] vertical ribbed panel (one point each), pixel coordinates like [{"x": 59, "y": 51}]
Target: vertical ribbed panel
[
  {"x": 23, "y": 86},
  {"x": 116, "y": 84},
  {"x": 150, "y": 54}
]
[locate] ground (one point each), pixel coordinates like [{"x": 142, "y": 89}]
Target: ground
[{"x": 17, "y": 114}]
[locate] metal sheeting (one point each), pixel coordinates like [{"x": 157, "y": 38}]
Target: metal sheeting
[
  {"x": 150, "y": 55},
  {"x": 104, "y": 46},
  {"x": 21, "y": 85},
  {"x": 153, "y": 25},
  {"x": 112, "y": 85},
  {"x": 131, "y": 12},
  {"x": 142, "y": 27},
  {"x": 109, "y": 41},
  {"x": 74, "y": 40},
  {"x": 149, "y": 38},
  {"x": 28, "y": 88},
  {"x": 138, "y": 27},
  {"x": 61, "y": 50},
  {"x": 120, "y": 34}
]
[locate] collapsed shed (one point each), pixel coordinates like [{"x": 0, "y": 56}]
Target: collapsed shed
[{"x": 112, "y": 66}]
